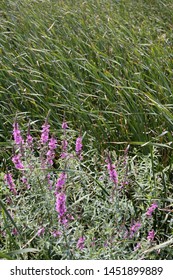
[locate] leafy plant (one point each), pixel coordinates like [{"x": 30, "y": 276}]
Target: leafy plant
[{"x": 75, "y": 210}]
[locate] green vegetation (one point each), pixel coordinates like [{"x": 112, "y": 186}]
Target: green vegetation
[
  {"x": 120, "y": 208},
  {"x": 106, "y": 66}
]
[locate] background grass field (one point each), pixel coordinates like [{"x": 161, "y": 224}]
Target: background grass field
[{"x": 106, "y": 64}]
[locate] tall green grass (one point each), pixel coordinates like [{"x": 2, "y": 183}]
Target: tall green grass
[{"x": 106, "y": 64}]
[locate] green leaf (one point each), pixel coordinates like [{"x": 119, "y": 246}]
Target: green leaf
[{"x": 23, "y": 251}]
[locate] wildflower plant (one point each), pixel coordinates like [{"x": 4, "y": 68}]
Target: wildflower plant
[{"x": 72, "y": 208}]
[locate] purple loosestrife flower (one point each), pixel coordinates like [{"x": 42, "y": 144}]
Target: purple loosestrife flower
[
  {"x": 51, "y": 153},
  {"x": 112, "y": 171},
  {"x": 29, "y": 140},
  {"x": 134, "y": 228},
  {"x": 50, "y": 156},
  {"x": 52, "y": 143},
  {"x": 151, "y": 209},
  {"x": 78, "y": 145},
  {"x": 64, "y": 144},
  {"x": 17, "y": 161},
  {"x": 45, "y": 133},
  {"x": 16, "y": 134},
  {"x": 56, "y": 233},
  {"x": 41, "y": 231},
  {"x": 61, "y": 181},
  {"x": 14, "y": 231},
  {"x": 80, "y": 244},
  {"x": 151, "y": 235},
  {"x": 64, "y": 125},
  {"x": 8, "y": 178},
  {"x": 64, "y": 155},
  {"x": 61, "y": 207}
]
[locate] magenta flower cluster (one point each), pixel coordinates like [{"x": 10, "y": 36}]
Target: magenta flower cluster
[
  {"x": 113, "y": 175},
  {"x": 60, "y": 204},
  {"x": 61, "y": 182},
  {"x": 16, "y": 159},
  {"x": 61, "y": 207},
  {"x": 9, "y": 180},
  {"x": 29, "y": 140},
  {"x": 56, "y": 233},
  {"x": 81, "y": 243},
  {"x": 45, "y": 132},
  {"x": 51, "y": 152},
  {"x": 49, "y": 146},
  {"x": 79, "y": 145},
  {"x": 134, "y": 228},
  {"x": 41, "y": 231},
  {"x": 17, "y": 134},
  {"x": 151, "y": 235},
  {"x": 64, "y": 125},
  {"x": 64, "y": 145},
  {"x": 151, "y": 209}
]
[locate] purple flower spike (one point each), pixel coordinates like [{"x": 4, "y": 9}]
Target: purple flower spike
[
  {"x": 61, "y": 181},
  {"x": 151, "y": 209},
  {"x": 64, "y": 125},
  {"x": 112, "y": 171},
  {"x": 29, "y": 140},
  {"x": 51, "y": 153},
  {"x": 134, "y": 228},
  {"x": 14, "y": 231},
  {"x": 16, "y": 134},
  {"x": 80, "y": 244},
  {"x": 64, "y": 155},
  {"x": 52, "y": 143},
  {"x": 41, "y": 231},
  {"x": 61, "y": 207},
  {"x": 64, "y": 144},
  {"x": 17, "y": 162},
  {"x": 50, "y": 156},
  {"x": 8, "y": 178},
  {"x": 79, "y": 145},
  {"x": 56, "y": 233},
  {"x": 45, "y": 133},
  {"x": 151, "y": 235},
  {"x": 60, "y": 203}
]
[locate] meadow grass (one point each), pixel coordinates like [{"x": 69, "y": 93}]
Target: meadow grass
[
  {"x": 107, "y": 67},
  {"x": 106, "y": 64}
]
